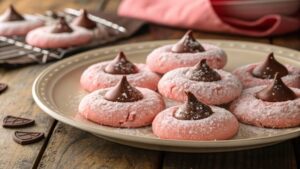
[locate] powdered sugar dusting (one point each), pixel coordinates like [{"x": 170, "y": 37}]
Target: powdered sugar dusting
[
  {"x": 244, "y": 73},
  {"x": 21, "y": 27},
  {"x": 95, "y": 78},
  {"x": 44, "y": 38},
  {"x": 121, "y": 114},
  {"x": 220, "y": 125},
  {"x": 162, "y": 59},
  {"x": 174, "y": 83},
  {"x": 245, "y": 131},
  {"x": 251, "y": 110}
]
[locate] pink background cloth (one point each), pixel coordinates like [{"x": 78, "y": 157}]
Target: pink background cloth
[{"x": 200, "y": 15}]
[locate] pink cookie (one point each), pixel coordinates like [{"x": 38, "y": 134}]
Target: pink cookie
[
  {"x": 43, "y": 38},
  {"x": 60, "y": 35},
  {"x": 95, "y": 77},
  {"x": 162, "y": 59},
  {"x": 121, "y": 114},
  {"x": 251, "y": 110},
  {"x": 262, "y": 73},
  {"x": 21, "y": 27},
  {"x": 244, "y": 73},
  {"x": 220, "y": 125},
  {"x": 174, "y": 84},
  {"x": 185, "y": 53},
  {"x": 99, "y": 31}
]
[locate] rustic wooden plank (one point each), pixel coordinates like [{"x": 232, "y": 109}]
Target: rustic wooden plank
[
  {"x": 111, "y": 6},
  {"x": 296, "y": 143},
  {"x": 34, "y": 6},
  {"x": 161, "y": 34},
  {"x": 101, "y": 5},
  {"x": 17, "y": 101},
  {"x": 291, "y": 40},
  {"x": 157, "y": 32},
  {"x": 73, "y": 148},
  {"x": 276, "y": 157}
]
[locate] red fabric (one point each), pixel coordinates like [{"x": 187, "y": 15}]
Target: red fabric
[{"x": 200, "y": 15}]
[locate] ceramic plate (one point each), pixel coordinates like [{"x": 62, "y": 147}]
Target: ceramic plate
[{"x": 56, "y": 91}]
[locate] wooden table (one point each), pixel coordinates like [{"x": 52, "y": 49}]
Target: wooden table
[{"x": 67, "y": 147}]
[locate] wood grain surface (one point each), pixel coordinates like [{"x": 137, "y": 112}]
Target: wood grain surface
[
  {"x": 17, "y": 101},
  {"x": 34, "y": 6},
  {"x": 73, "y": 148},
  {"x": 67, "y": 147},
  {"x": 276, "y": 157}
]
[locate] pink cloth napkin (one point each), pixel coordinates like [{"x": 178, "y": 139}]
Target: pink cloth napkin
[{"x": 200, "y": 15}]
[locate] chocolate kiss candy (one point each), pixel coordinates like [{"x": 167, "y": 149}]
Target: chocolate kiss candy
[
  {"x": 3, "y": 87},
  {"x": 11, "y": 15},
  {"x": 61, "y": 26},
  {"x": 84, "y": 21},
  {"x": 15, "y": 122},
  {"x": 202, "y": 72},
  {"x": 24, "y": 138},
  {"x": 193, "y": 109},
  {"x": 276, "y": 92},
  {"x": 187, "y": 44},
  {"x": 269, "y": 68},
  {"x": 123, "y": 92},
  {"x": 120, "y": 65}
]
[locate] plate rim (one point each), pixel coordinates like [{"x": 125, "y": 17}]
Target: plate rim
[{"x": 157, "y": 141}]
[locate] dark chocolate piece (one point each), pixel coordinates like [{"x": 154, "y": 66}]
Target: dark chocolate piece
[
  {"x": 11, "y": 15},
  {"x": 269, "y": 68},
  {"x": 187, "y": 44},
  {"x": 120, "y": 65},
  {"x": 202, "y": 72},
  {"x": 193, "y": 109},
  {"x": 16, "y": 122},
  {"x": 276, "y": 92},
  {"x": 24, "y": 138},
  {"x": 84, "y": 21},
  {"x": 61, "y": 26},
  {"x": 123, "y": 92},
  {"x": 3, "y": 87}
]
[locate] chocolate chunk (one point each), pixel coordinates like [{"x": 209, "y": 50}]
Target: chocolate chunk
[
  {"x": 11, "y": 15},
  {"x": 276, "y": 92},
  {"x": 193, "y": 109},
  {"x": 202, "y": 72},
  {"x": 24, "y": 138},
  {"x": 61, "y": 26},
  {"x": 123, "y": 92},
  {"x": 187, "y": 44},
  {"x": 84, "y": 21},
  {"x": 120, "y": 65},
  {"x": 16, "y": 122},
  {"x": 3, "y": 87},
  {"x": 269, "y": 68}
]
